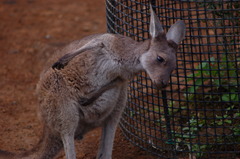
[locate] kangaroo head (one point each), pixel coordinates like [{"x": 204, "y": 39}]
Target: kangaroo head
[{"x": 160, "y": 59}]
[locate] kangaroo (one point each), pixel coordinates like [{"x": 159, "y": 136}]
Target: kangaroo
[{"x": 85, "y": 86}]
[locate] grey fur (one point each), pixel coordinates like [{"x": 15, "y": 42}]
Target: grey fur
[
  {"x": 87, "y": 87},
  {"x": 155, "y": 28}
]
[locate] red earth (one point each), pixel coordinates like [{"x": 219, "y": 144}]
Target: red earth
[{"x": 30, "y": 30}]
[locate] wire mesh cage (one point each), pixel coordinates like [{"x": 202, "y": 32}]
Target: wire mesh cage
[{"x": 198, "y": 114}]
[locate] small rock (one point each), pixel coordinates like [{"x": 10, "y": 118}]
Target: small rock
[
  {"x": 76, "y": 19},
  {"x": 60, "y": 16},
  {"x": 30, "y": 50},
  {"x": 14, "y": 51},
  {"x": 87, "y": 26},
  {"x": 48, "y": 36},
  {"x": 14, "y": 102},
  {"x": 9, "y": 2},
  {"x": 31, "y": 1},
  {"x": 86, "y": 29}
]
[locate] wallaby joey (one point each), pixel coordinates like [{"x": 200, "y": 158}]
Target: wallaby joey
[{"x": 86, "y": 87}]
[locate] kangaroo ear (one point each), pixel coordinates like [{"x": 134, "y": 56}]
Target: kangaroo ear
[
  {"x": 155, "y": 25},
  {"x": 177, "y": 32}
]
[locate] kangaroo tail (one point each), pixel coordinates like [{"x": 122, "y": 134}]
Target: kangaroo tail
[{"x": 47, "y": 148}]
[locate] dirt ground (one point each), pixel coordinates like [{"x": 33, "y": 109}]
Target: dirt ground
[{"x": 29, "y": 32}]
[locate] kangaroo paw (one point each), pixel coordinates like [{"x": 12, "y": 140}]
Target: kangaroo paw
[
  {"x": 58, "y": 65},
  {"x": 84, "y": 101}
]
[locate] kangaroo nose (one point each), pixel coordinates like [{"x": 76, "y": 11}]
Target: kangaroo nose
[
  {"x": 164, "y": 85},
  {"x": 161, "y": 85}
]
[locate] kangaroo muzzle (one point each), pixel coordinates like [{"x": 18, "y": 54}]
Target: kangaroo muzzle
[{"x": 160, "y": 84}]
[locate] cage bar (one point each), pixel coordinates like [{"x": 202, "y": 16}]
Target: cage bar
[{"x": 198, "y": 115}]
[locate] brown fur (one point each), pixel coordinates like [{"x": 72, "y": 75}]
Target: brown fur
[{"x": 87, "y": 87}]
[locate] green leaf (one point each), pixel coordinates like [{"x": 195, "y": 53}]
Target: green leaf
[
  {"x": 193, "y": 129},
  {"x": 230, "y": 108},
  {"x": 228, "y": 121},
  {"x": 220, "y": 122},
  {"x": 225, "y": 116},
  {"x": 234, "y": 97},
  {"x": 230, "y": 97},
  {"x": 199, "y": 81},
  {"x": 212, "y": 59},
  {"x": 186, "y": 136},
  {"x": 185, "y": 128},
  {"x": 236, "y": 131},
  {"x": 216, "y": 82},
  {"x": 232, "y": 73},
  {"x": 236, "y": 115},
  {"x": 225, "y": 97}
]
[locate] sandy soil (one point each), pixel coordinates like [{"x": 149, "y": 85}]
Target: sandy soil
[{"x": 29, "y": 32}]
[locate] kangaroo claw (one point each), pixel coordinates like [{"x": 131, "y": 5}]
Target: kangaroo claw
[
  {"x": 58, "y": 65},
  {"x": 84, "y": 101}
]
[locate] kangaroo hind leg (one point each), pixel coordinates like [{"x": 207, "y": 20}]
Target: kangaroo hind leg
[
  {"x": 65, "y": 122},
  {"x": 69, "y": 148},
  {"x": 68, "y": 135}
]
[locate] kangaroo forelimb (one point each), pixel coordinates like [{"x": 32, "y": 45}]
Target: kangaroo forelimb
[
  {"x": 63, "y": 61},
  {"x": 94, "y": 95}
]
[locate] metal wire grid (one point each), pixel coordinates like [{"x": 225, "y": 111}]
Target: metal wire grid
[{"x": 198, "y": 115}]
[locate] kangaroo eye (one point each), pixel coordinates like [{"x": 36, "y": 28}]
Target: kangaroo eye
[{"x": 160, "y": 59}]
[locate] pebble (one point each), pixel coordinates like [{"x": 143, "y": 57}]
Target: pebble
[
  {"x": 48, "y": 36},
  {"x": 14, "y": 51}
]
